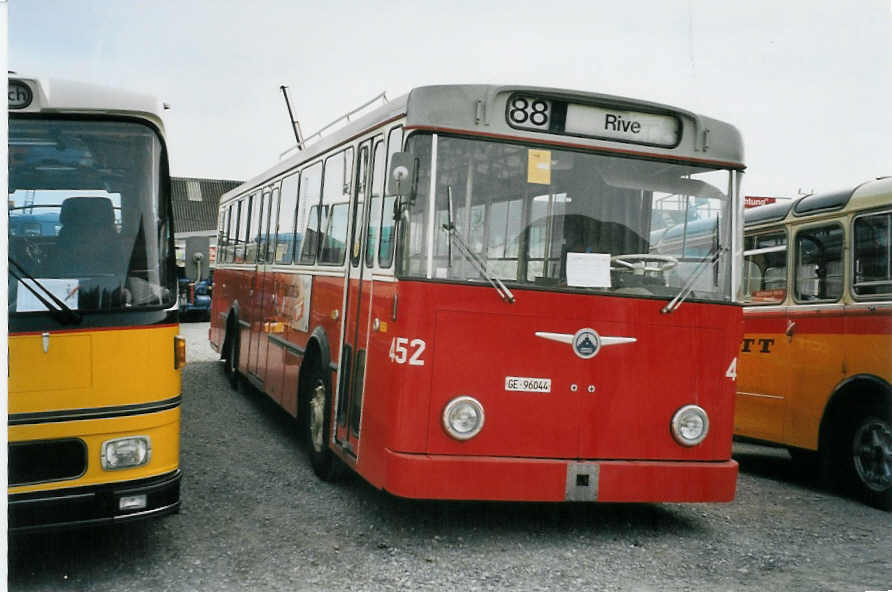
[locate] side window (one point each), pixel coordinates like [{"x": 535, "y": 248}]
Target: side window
[
  {"x": 266, "y": 214},
  {"x": 308, "y": 213},
  {"x": 287, "y": 211},
  {"x": 336, "y": 204},
  {"x": 819, "y": 268},
  {"x": 377, "y": 196},
  {"x": 253, "y": 236},
  {"x": 233, "y": 232},
  {"x": 243, "y": 208},
  {"x": 873, "y": 255},
  {"x": 221, "y": 229},
  {"x": 361, "y": 178},
  {"x": 385, "y": 251},
  {"x": 223, "y": 237},
  {"x": 765, "y": 268},
  {"x": 412, "y": 228}
]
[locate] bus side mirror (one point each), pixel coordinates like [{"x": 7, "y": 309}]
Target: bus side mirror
[{"x": 401, "y": 177}]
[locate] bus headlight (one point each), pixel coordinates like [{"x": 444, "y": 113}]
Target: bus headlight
[
  {"x": 463, "y": 417},
  {"x": 690, "y": 424},
  {"x": 126, "y": 453}
]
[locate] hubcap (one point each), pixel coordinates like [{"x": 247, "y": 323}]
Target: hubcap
[
  {"x": 317, "y": 416},
  {"x": 872, "y": 454}
]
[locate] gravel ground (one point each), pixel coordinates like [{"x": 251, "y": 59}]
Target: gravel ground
[{"x": 255, "y": 518}]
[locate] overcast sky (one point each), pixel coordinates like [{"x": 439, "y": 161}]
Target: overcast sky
[{"x": 807, "y": 82}]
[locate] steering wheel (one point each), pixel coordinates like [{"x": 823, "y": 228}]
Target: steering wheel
[{"x": 638, "y": 262}]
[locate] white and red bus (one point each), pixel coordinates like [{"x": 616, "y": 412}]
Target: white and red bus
[{"x": 488, "y": 292}]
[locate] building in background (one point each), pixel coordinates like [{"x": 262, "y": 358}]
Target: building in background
[{"x": 195, "y": 211}]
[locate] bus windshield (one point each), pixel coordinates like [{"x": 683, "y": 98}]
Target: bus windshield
[
  {"x": 567, "y": 220},
  {"x": 86, "y": 221}
]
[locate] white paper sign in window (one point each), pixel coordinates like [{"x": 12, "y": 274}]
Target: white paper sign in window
[
  {"x": 63, "y": 289},
  {"x": 588, "y": 270}
]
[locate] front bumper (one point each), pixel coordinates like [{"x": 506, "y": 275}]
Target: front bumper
[
  {"x": 93, "y": 505},
  {"x": 556, "y": 480}
]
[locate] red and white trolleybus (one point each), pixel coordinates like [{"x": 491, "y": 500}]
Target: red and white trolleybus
[{"x": 497, "y": 292}]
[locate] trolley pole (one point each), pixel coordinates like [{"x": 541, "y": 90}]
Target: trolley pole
[{"x": 295, "y": 126}]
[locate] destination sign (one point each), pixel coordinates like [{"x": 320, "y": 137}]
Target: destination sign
[
  {"x": 20, "y": 95},
  {"x": 626, "y": 126},
  {"x": 591, "y": 121}
]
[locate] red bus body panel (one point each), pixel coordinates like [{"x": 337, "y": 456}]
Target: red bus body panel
[
  {"x": 611, "y": 412},
  {"x": 543, "y": 480}
]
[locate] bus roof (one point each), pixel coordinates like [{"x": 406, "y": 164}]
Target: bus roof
[
  {"x": 768, "y": 213},
  {"x": 482, "y": 110},
  {"x": 31, "y": 94},
  {"x": 868, "y": 195},
  {"x": 822, "y": 202}
]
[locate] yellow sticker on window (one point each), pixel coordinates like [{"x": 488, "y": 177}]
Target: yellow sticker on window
[{"x": 539, "y": 167}]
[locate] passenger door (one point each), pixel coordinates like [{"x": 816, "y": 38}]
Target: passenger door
[
  {"x": 259, "y": 290},
  {"x": 816, "y": 329},
  {"x": 763, "y": 369},
  {"x": 266, "y": 283},
  {"x": 353, "y": 352}
]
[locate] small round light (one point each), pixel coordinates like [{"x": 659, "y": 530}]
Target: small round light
[
  {"x": 690, "y": 424},
  {"x": 463, "y": 417}
]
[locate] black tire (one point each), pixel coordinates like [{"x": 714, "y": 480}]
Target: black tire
[
  {"x": 317, "y": 426},
  {"x": 230, "y": 365},
  {"x": 867, "y": 465}
]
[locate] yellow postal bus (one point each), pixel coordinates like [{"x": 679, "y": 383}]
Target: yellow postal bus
[
  {"x": 94, "y": 355},
  {"x": 816, "y": 358}
]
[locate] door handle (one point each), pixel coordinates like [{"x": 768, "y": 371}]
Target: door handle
[{"x": 791, "y": 325}]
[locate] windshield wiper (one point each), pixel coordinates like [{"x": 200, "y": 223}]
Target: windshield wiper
[
  {"x": 471, "y": 256},
  {"x": 688, "y": 287},
  {"x": 50, "y": 301}
]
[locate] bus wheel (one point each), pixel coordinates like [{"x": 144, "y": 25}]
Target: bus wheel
[
  {"x": 870, "y": 457},
  {"x": 318, "y": 426},
  {"x": 230, "y": 366}
]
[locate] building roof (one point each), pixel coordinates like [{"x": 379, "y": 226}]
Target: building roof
[{"x": 195, "y": 202}]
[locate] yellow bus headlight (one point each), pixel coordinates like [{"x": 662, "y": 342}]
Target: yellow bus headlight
[{"x": 126, "y": 453}]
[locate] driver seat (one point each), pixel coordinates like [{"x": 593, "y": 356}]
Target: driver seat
[{"x": 87, "y": 240}]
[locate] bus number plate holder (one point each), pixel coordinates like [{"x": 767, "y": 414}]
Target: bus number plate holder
[{"x": 582, "y": 482}]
